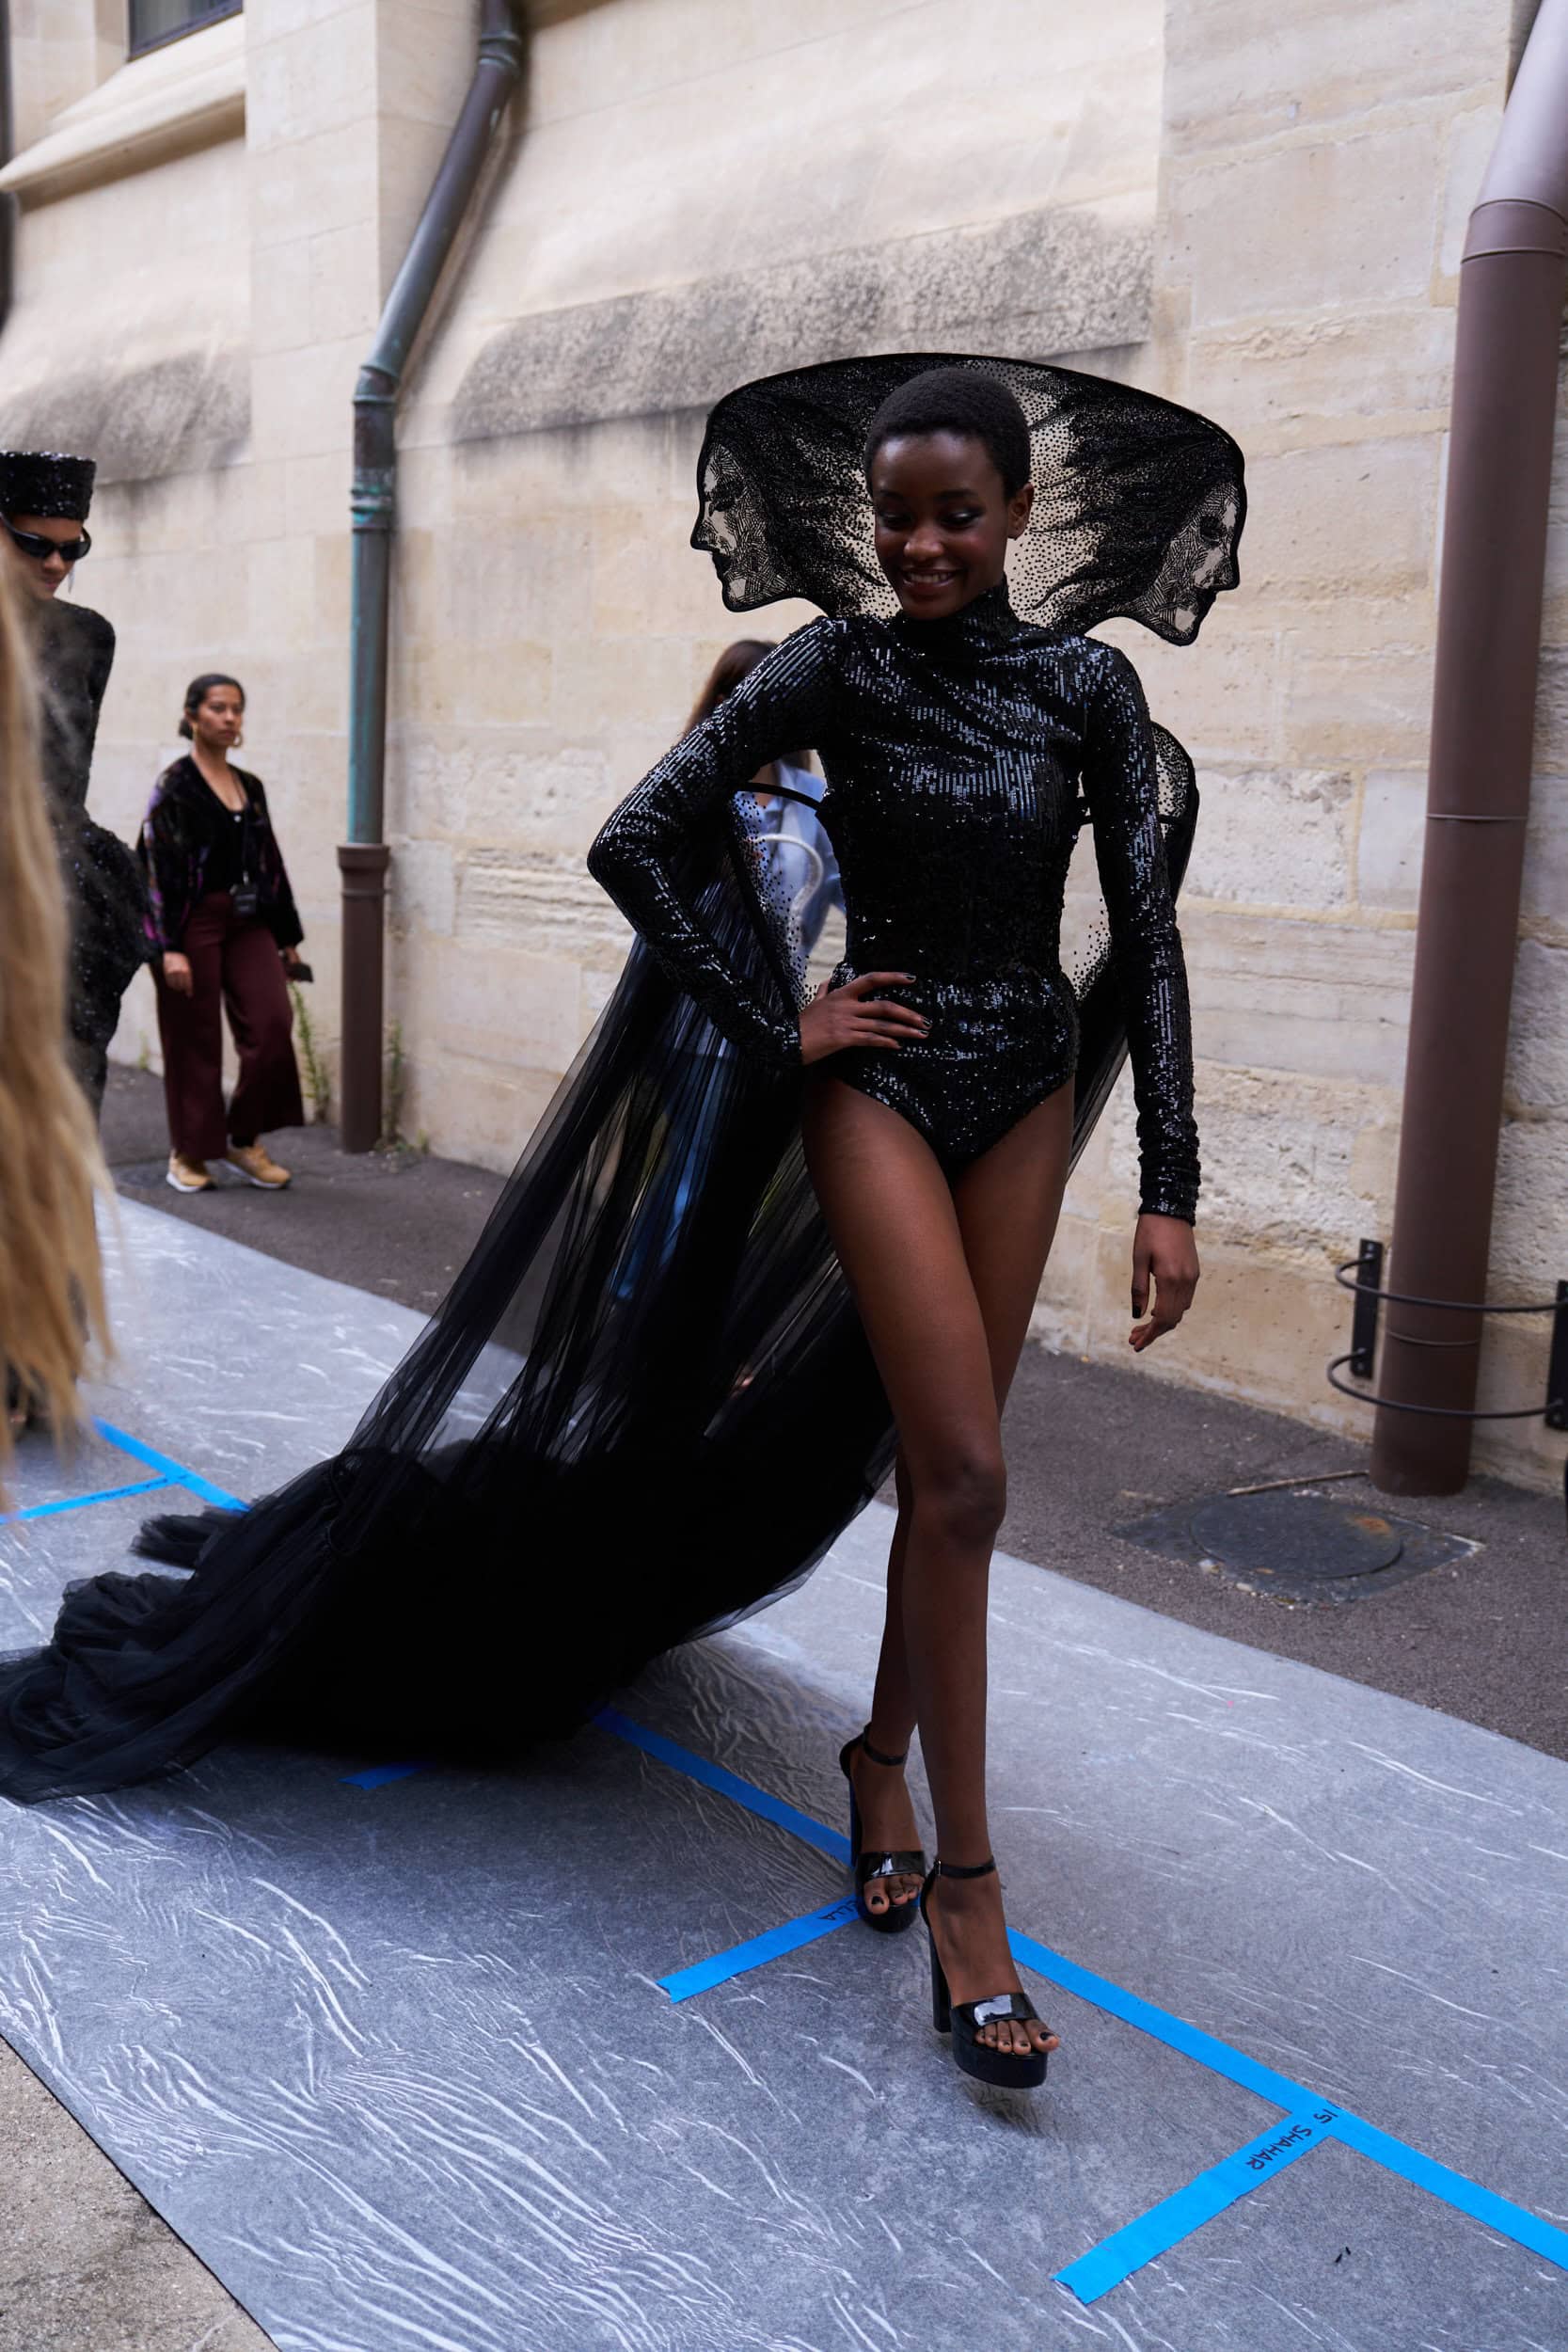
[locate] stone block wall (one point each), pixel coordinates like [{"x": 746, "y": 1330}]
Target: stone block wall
[{"x": 1316, "y": 177}]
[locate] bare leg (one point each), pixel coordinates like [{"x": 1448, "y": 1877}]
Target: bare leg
[
  {"x": 887, "y": 1816},
  {"x": 945, "y": 1281}
]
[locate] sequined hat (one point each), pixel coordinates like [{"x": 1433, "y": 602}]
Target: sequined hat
[{"x": 45, "y": 481}]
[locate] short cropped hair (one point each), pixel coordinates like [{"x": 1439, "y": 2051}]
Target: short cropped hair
[{"x": 957, "y": 400}]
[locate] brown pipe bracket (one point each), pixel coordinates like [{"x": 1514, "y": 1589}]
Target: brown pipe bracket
[{"x": 1515, "y": 224}]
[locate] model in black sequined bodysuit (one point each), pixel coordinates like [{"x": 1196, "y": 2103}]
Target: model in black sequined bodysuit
[{"x": 961, "y": 747}]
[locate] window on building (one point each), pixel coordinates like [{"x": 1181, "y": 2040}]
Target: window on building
[{"x": 153, "y": 22}]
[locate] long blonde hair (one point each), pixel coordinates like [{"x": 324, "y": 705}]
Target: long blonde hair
[{"x": 50, "y": 1283}]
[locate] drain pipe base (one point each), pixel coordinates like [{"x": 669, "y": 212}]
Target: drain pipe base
[{"x": 363, "y": 866}]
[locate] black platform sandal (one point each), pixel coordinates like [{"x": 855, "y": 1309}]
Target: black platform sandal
[
  {"x": 866, "y": 1866},
  {"x": 966, "y": 2020}
]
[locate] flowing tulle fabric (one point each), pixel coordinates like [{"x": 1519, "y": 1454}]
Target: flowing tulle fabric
[{"x": 577, "y": 1465}]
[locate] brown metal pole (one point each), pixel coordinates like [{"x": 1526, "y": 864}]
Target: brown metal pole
[{"x": 1513, "y": 283}]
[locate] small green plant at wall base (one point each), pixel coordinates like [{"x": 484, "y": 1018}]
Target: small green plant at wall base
[
  {"x": 391, "y": 1092},
  {"x": 318, "y": 1078},
  {"x": 144, "y": 1054}
]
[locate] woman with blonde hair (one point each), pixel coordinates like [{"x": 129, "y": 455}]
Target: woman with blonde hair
[{"x": 51, "y": 1288}]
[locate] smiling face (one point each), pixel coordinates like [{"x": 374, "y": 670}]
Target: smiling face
[
  {"x": 40, "y": 576},
  {"x": 942, "y": 519}
]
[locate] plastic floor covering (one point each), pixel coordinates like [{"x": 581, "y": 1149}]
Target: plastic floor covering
[{"x": 593, "y": 2055}]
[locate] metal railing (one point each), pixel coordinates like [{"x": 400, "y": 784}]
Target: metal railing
[{"x": 1363, "y": 1277}]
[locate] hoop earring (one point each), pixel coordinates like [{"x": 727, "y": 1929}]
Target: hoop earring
[{"x": 239, "y": 740}]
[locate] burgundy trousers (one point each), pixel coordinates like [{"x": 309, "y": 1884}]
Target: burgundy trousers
[{"x": 234, "y": 964}]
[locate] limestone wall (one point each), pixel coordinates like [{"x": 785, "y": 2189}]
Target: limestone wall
[
  {"x": 1315, "y": 182},
  {"x": 1257, "y": 210}
]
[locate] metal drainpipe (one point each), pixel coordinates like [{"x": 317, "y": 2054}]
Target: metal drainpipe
[
  {"x": 363, "y": 859},
  {"x": 1511, "y": 287}
]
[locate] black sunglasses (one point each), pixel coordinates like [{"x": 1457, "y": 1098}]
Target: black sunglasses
[{"x": 37, "y": 543}]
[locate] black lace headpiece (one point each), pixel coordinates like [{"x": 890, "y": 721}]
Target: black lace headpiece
[
  {"x": 1138, "y": 503},
  {"x": 45, "y": 481}
]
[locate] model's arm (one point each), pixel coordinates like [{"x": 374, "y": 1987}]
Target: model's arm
[
  {"x": 1121, "y": 785},
  {"x": 786, "y": 700}
]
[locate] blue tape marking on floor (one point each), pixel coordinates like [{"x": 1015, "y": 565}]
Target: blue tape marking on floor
[
  {"x": 377, "y": 1775},
  {"x": 1177, "y": 2217},
  {"x": 1482, "y": 2204},
  {"x": 80, "y": 1502},
  {"x": 828, "y": 1841},
  {"x": 1512, "y": 2221},
  {"x": 176, "y": 1472},
  {"x": 735, "y": 1963},
  {"x": 1159, "y": 2024}
]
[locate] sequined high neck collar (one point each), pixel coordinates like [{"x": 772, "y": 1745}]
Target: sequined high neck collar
[{"x": 980, "y": 627}]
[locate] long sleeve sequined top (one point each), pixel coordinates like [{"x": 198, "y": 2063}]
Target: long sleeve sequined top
[{"x": 961, "y": 756}]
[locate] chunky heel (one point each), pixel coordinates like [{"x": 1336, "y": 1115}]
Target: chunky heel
[
  {"x": 966, "y": 2020},
  {"x": 877, "y": 1864},
  {"x": 942, "y": 2008}
]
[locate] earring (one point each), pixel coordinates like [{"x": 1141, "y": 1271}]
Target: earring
[{"x": 239, "y": 739}]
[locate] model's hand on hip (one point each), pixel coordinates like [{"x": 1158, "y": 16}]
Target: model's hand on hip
[
  {"x": 177, "y": 972},
  {"x": 1164, "y": 1254},
  {"x": 839, "y": 1018},
  {"x": 291, "y": 956}
]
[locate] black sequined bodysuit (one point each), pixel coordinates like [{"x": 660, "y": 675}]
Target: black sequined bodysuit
[{"x": 955, "y": 752}]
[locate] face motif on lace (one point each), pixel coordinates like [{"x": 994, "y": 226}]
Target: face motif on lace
[
  {"x": 1201, "y": 565},
  {"x": 720, "y": 487}
]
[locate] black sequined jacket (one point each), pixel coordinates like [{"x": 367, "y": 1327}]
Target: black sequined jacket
[
  {"x": 962, "y": 756},
  {"x": 183, "y": 826}
]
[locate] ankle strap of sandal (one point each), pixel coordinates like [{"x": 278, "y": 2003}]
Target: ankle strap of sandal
[
  {"x": 940, "y": 1869},
  {"x": 878, "y": 1758}
]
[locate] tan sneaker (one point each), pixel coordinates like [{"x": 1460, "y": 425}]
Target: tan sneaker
[
  {"x": 257, "y": 1166},
  {"x": 187, "y": 1175}
]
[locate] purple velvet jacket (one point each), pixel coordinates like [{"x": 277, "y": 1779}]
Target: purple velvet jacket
[{"x": 179, "y": 833}]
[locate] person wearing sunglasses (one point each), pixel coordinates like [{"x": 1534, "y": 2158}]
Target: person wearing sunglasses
[{"x": 44, "y": 498}]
